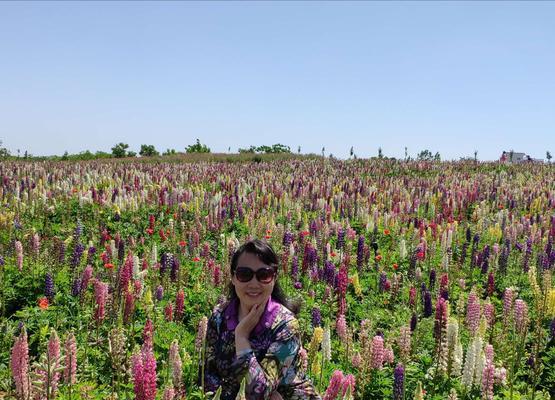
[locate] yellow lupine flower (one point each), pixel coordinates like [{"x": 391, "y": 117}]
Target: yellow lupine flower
[{"x": 356, "y": 285}]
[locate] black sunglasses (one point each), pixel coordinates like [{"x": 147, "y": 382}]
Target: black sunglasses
[{"x": 264, "y": 275}]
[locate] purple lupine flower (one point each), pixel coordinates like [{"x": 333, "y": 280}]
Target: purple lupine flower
[
  {"x": 504, "y": 260},
  {"x": 360, "y": 252},
  {"x": 413, "y": 322},
  {"x": 78, "y": 230},
  {"x": 432, "y": 278},
  {"x": 287, "y": 239},
  {"x": 382, "y": 282},
  {"x": 76, "y": 287},
  {"x": 316, "y": 317},
  {"x": 427, "y": 304},
  {"x": 468, "y": 234},
  {"x": 329, "y": 272},
  {"x": 340, "y": 239},
  {"x": 61, "y": 252},
  {"x": 121, "y": 251},
  {"x": 174, "y": 269},
  {"x": 552, "y": 328},
  {"x": 49, "y": 286},
  {"x": 298, "y": 285},
  {"x": 399, "y": 382},
  {"x": 90, "y": 254},
  {"x": 485, "y": 259},
  {"x": 527, "y": 255},
  {"x": 2, "y": 261},
  {"x": 464, "y": 249},
  {"x": 77, "y": 253},
  {"x": 294, "y": 268},
  {"x": 159, "y": 294}
]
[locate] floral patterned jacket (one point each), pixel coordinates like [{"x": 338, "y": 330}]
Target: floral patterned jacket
[{"x": 272, "y": 364}]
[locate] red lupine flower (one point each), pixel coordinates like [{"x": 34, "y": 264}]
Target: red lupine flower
[
  {"x": 43, "y": 303},
  {"x": 162, "y": 234}
]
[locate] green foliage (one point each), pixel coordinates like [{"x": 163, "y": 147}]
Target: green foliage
[
  {"x": 120, "y": 150},
  {"x": 148, "y": 150},
  {"x": 274, "y": 149},
  {"x": 197, "y": 148}
]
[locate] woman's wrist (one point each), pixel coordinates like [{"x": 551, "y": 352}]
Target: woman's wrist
[{"x": 241, "y": 344}]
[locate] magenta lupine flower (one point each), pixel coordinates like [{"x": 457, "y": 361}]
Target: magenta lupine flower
[
  {"x": 148, "y": 334},
  {"x": 491, "y": 284},
  {"x": 143, "y": 367},
  {"x": 521, "y": 316},
  {"x": 87, "y": 275},
  {"x": 100, "y": 295},
  {"x": 348, "y": 382},
  {"x": 473, "y": 313},
  {"x": 377, "y": 356},
  {"x": 508, "y": 298},
  {"x": 441, "y": 317},
  {"x": 19, "y": 364},
  {"x": 19, "y": 255},
  {"x": 341, "y": 327},
  {"x": 412, "y": 296},
  {"x": 129, "y": 307},
  {"x": 137, "y": 372},
  {"x": 149, "y": 374},
  {"x": 70, "y": 367},
  {"x": 488, "y": 351},
  {"x": 168, "y": 312},
  {"x": 125, "y": 272},
  {"x": 179, "y": 304},
  {"x": 342, "y": 281},
  {"x": 335, "y": 386}
]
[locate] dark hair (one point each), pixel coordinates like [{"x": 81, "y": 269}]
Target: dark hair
[{"x": 268, "y": 256}]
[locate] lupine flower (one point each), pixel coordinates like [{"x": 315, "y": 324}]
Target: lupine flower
[
  {"x": 488, "y": 376},
  {"x": 335, "y": 386},
  {"x": 86, "y": 277},
  {"x": 100, "y": 295},
  {"x": 412, "y": 296},
  {"x": 201, "y": 334},
  {"x": 129, "y": 307},
  {"x": 19, "y": 364},
  {"x": 317, "y": 338},
  {"x": 341, "y": 327},
  {"x": 399, "y": 382},
  {"x": 356, "y": 360},
  {"x": 427, "y": 304},
  {"x": 377, "y": 355},
  {"x": 70, "y": 367},
  {"x": 413, "y": 322},
  {"x": 159, "y": 294},
  {"x": 508, "y": 298},
  {"x": 404, "y": 341},
  {"x": 19, "y": 255},
  {"x": 144, "y": 374},
  {"x": 489, "y": 313},
  {"x": 316, "y": 317},
  {"x": 521, "y": 316},
  {"x": 169, "y": 393},
  {"x": 473, "y": 313},
  {"x": 179, "y": 304},
  {"x": 326, "y": 344},
  {"x": 175, "y": 364},
  {"x": 49, "y": 286},
  {"x": 432, "y": 278},
  {"x": 348, "y": 386},
  {"x": 76, "y": 287}
]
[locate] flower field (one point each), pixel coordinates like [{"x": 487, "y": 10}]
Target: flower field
[{"x": 418, "y": 280}]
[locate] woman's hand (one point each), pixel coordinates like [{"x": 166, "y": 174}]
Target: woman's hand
[{"x": 247, "y": 324}]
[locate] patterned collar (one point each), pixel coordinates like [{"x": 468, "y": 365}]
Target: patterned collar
[{"x": 231, "y": 314}]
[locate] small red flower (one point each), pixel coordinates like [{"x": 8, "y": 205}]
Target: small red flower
[
  {"x": 386, "y": 232},
  {"x": 267, "y": 236},
  {"x": 269, "y": 231},
  {"x": 420, "y": 255},
  {"x": 183, "y": 243},
  {"x": 196, "y": 259},
  {"x": 333, "y": 254},
  {"x": 162, "y": 234},
  {"x": 108, "y": 265},
  {"x": 43, "y": 303},
  {"x": 304, "y": 233},
  {"x": 395, "y": 267},
  {"x": 150, "y": 231},
  {"x": 378, "y": 257}
]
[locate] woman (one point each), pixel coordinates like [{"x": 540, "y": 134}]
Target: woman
[{"x": 255, "y": 334}]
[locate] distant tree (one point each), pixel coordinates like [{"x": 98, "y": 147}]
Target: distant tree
[
  {"x": 65, "y": 157},
  {"x": 425, "y": 155},
  {"x": 323, "y": 151},
  {"x": 406, "y": 154},
  {"x": 548, "y": 156},
  {"x": 169, "y": 152},
  {"x": 197, "y": 148},
  {"x": 148, "y": 150},
  {"x": 299, "y": 150},
  {"x": 4, "y": 152},
  {"x": 476, "y": 155},
  {"x": 131, "y": 154},
  {"x": 229, "y": 149},
  {"x": 437, "y": 156},
  {"x": 352, "y": 151},
  {"x": 380, "y": 153},
  {"x": 511, "y": 155},
  {"x": 120, "y": 150}
]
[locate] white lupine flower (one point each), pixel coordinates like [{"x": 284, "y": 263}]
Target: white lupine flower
[
  {"x": 402, "y": 249},
  {"x": 456, "y": 361},
  {"x": 154, "y": 255},
  {"x": 479, "y": 369},
  {"x": 326, "y": 344}
]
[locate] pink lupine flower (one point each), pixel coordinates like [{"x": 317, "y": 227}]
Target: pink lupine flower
[
  {"x": 473, "y": 313},
  {"x": 489, "y": 313},
  {"x": 53, "y": 351},
  {"x": 169, "y": 394},
  {"x": 129, "y": 307},
  {"x": 149, "y": 374},
  {"x": 70, "y": 367},
  {"x": 488, "y": 375},
  {"x": 19, "y": 255},
  {"x": 201, "y": 334},
  {"x": 335, "y": 386},
  {"x": 303, "y": 356},
  {"x": 508, "y": 298},
  {"x": 179, "y": 304},
  {"x": 341, "y": 327},
  {"x": 176, "y": 364},
  {"x": 388, "y": 356},
  {"x": 19, "y": 364},
  {"x": 377, "y": 356},
  {"x": 100, "y": 295},
  {"x": 348, "y": 382},
  {"x": 148, "y": 333},
  {"x": 86, "y": 277},
  {"x": 412, "y": 296},
  {"x": 356, "y": 360},
  {"x": 521, "y": 316},
  {"x": 500, "y": 375},
  {"x": 36, "y": 244},
  {"x": 404, "y": 341},
  {"x": 143, "y": 367}
]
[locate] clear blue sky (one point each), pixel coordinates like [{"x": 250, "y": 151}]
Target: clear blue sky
[{"x": 449, "y": 77}]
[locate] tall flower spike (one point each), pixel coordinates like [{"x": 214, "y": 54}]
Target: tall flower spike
[
  {"x": 70, "y": 367},
  {"x": 19, "y": 364}
]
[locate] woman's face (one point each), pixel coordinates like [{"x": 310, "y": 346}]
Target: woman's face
[{"x": 252, "y": 292}]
